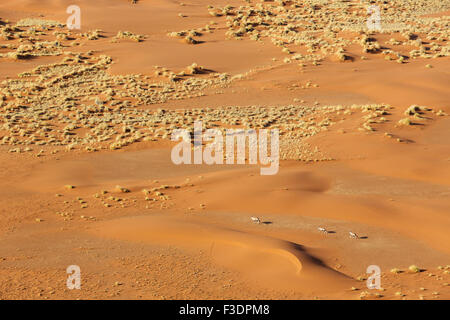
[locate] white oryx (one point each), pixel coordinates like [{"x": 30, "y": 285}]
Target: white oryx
[
  {"x": 255, "y": 220},
  {"x": 353, "y": 235},
  {"x": 322, "y": 230}
]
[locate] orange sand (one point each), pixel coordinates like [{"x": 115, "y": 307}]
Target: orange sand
[{"x": 201, "y": 243}]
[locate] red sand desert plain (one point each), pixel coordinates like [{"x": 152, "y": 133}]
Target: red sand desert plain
[{"x": 87, "y": 177}]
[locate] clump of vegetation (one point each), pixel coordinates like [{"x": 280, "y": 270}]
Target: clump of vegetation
[
  {"x": 405, "y": 122},
  {"x": 341, "y": 56},
  {"x": 92, "y": 35},
  {"x": 190, "y": 40},
  {"x": 414, "y": 269},
  {"x": 195, "y": 69},
  {"x": 122, "y": 189},
  {"x": 178, "y": 34},
  {"x": 415, "y": 110},
  {"x": 130, "y": 35},
  {"x": 32, "y": 22}
]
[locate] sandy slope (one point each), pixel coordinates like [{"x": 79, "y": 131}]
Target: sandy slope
[{"x": 199, "y": 242}]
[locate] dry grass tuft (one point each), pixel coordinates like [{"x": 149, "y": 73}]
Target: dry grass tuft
[
  {"x": 405, "y": 122},
  {"x": 190, "y": 40},
  {"x": 130, "y": 35},
  {"x": 122, "y": 189},
  {"x": 395, "y": 270},
  {"x": 414, "y": 269}
]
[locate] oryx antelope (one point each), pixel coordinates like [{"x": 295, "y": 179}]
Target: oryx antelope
[
  {"x": 353, "y": 235},
  {"x": 255, "y": 220},
  {"x": 322, "y": 230}
]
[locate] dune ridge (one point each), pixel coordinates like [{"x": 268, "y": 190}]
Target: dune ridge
[{"x": 86, "y": 177}]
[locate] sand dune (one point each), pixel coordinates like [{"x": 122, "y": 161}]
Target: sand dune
[{"x": 269, "y": 262}]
